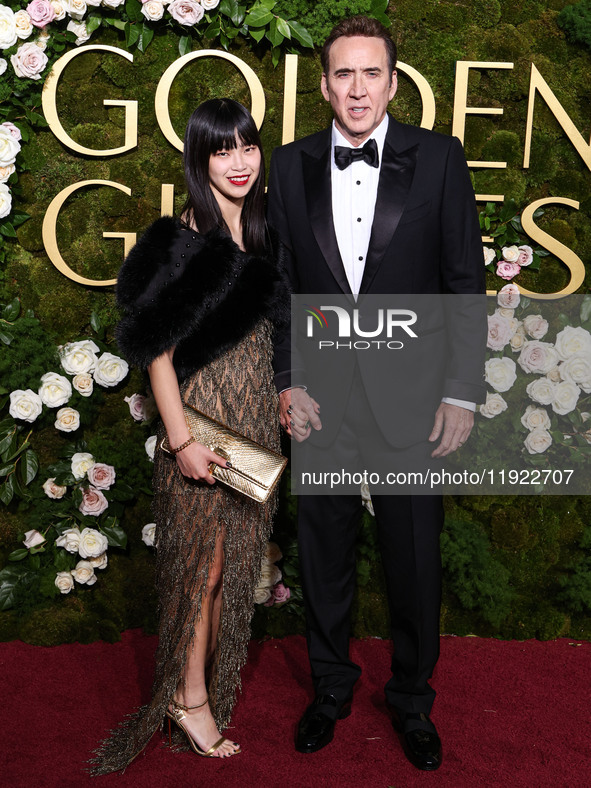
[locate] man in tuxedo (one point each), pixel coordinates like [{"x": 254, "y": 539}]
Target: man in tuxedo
[{"x": 374, "y": 206}]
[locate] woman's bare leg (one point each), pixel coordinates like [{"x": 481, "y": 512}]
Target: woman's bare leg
[{"x": 192, "y": 689}]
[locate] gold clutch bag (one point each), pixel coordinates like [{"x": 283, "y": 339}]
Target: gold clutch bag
[{"x": 255, "y": 470}]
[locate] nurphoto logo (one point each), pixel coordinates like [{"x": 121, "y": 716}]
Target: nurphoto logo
[{"x": 382, "y": 323}]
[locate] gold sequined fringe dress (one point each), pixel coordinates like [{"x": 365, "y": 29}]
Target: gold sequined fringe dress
[{"x": 237, "y": 389}]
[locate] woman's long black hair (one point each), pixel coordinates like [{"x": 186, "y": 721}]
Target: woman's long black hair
[{"x": 213, "y": 126}]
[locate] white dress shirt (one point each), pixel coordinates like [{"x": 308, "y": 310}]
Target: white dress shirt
[{"x": 354, "y": 193}]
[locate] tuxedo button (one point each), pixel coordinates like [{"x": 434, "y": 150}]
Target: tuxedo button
[
  {"x": 358, "y": 183},
  {"x": 359, "y": 219},
  {"x": 360, "y": 258}
]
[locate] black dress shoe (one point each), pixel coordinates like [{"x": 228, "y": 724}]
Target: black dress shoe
[
  {"x": 420, "y": 741},
  {"x": 316, "y": 728}
]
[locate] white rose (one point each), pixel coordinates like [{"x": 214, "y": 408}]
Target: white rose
[
  {"x": 366, "y": 498},
  {"x": 81, "y": 462},
  {"x": 494, "y": 405},
  {"x": 79, "y": 30},
  {"x": 9, "y": 147},
  {"x": 536, "y": 326},
  {"x": 8, "y": 36},
  {"x": 150, "y": 446},
  {"x": 5, "y": 173},
  {"x": 14, "y": 130},
  {"x": 33, "y": 539},
  {"x": 75, "y": 8},
  {"x": 541, "y": 390},
  {"x": 84, "y": 573},
  {"x": 509, "y": 296},
  {"x": 500, "y": 331},
  {"x": 59, "y": 9},
  {"x": 94, "y": 3},
  {"x": 518, "y": 339},
  {"x": 500, "y": 373},
  {"x": 270, "y": 574},
  {"x": 3, "y": 65},
  {"x": 69, "y": 540},
  {"x": 83, "y": 383},
  {"x": 29, "y": 61},
  {"x": 510, "y": 254},
  {"x": 113, "y": 3},
  {"x": 92, "y": 543},
  {"x": 153, "y": 10},
  {"x": 55, "y": 390},
  {"x": 65, "y": 582},
  {"x": 99, "y": 561},
  {"x": 538, "y": 357},
  {"x": 23, "y": 24},
  {"x": 101, "y": 476},
  {"x": 25, "y": 405},
  {"x": 538, "y": 441},
  {"x": 273, "y": 553},
  {"x": 148, "y": 534},
  {"x": 566, "y": 396},
  {"x": 110, "y": 370},
  {"x": 505, "y": 312},
  {"x": 53, "y": 490},
  {"x": 554, "y": 375},
  {"x": 535, "y": 418},
  {"x": 209, "y": 5},
  {"x": 526, "y": 255},
  {"x": 577, "y": 369},
  {"x": 262, "y": 595},
  {"x": 67, "y": 420},
  {"x": 187, "y": 12},
  {"x": 78, "y": 357},
  {"x": 5, "y": 201},
  {"x": 572, "y": 340}
]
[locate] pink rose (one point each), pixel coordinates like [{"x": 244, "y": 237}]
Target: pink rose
[
  {"x": 136, "y": 406},
  {"x": 500, "y": 331},
  {"x": 526, "y": 255},
  {"x": 101, "y": 476},
  {"x": 507, "y": 270},
  {"x": 33, "y": 539},
  {"x": 41, "y": 12},
  {"x": 14, "y": 130},
  {"x": 508, "y": 297},
  {"x": 187, "y": 12},
  {"x": 93, "y": 502},
  {"x": 281, "y": 593},
  {"x": 29, "y": 61}
]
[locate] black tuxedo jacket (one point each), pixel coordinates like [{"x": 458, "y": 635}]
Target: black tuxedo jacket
[{"x": 425, "y": 239}]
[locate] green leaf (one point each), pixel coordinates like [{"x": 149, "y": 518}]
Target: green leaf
[
  {"x": 30, "y": 466},
  {"x": 300, "y": 33},
  {"x": 47, "y": 586},
  {"x": 185, "y": 45},
  {"x": 283, "y": 27},
  {"x": 6, "y": 337},
  {"x": 257, "y": 34},
  {"x": 146, "y": 37},
  {"x": 258, "y": 17},
  {"x": 7, "y": 490},
  {"x": 8, "y": 230},
  {"x": 133, "y": 9},
  {"x": 6, "y": 469},
  {"x": 95, "y": 322},
  {"x": 132, "y": 33},
  {"x": 234, "y": 10},
  {"x": 19, "y": 554},
  {"x": 63, "y": 560},
  {"x": 10, "y": 577},
  {"x": 12, "y": 310},
  {"x": 35, "y": 562},
  {"x": 93, "y": 23},
  {"x": 275, "y": 56},
  {"x": 116, "y": 536},
  {"x": 6, "y": 443},
  {"x": 118, "y": 23}
]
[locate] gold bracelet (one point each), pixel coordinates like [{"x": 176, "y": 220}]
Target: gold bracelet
[{"x": 183, "y": 445}]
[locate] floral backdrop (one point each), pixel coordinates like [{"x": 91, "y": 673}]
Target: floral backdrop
[{"x": 76, "y": 426}]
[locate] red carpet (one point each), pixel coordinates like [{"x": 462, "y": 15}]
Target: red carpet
[{"x": 510, "y": 714}]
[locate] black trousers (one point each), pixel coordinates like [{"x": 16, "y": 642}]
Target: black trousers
[{"x": 409, "y": 527}]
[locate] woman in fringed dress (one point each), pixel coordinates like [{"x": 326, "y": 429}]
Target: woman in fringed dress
[{"x": 201, "y": 298}]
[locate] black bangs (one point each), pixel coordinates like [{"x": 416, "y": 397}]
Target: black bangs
[{"x": 226, "y": 119}]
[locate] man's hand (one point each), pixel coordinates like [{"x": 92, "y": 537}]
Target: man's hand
[
  {"x": 456, "y": 423},
  {"x": 298, "y": 413}
]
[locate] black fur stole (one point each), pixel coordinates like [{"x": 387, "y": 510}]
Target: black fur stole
[{"x": 202, "y": 304}]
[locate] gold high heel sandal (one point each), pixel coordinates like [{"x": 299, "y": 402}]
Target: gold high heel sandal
[{"x": 177, "y": 715}]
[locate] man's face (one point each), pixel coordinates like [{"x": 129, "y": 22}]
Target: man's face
[{"x": 358, "y": 85}]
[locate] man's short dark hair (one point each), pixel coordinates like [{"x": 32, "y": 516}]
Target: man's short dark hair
[{"x": 359, "y": 26}]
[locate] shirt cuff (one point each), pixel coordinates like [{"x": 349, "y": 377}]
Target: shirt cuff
[
  {"x": 288, "y": 388},
  {"x": 461, "y": 403}
]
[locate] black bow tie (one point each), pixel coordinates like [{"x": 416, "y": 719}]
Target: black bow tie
[{"x": 369, "y": 153}]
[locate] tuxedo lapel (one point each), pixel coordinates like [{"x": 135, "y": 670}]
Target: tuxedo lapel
[
  {"x": 396, "y": 177},
  {"x": 317, "y": 186}
]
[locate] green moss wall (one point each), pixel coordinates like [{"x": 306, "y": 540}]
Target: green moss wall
[{"x": 514, "y": 567}]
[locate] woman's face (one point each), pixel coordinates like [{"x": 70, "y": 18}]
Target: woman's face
[{"x": 232, "y": 173}]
